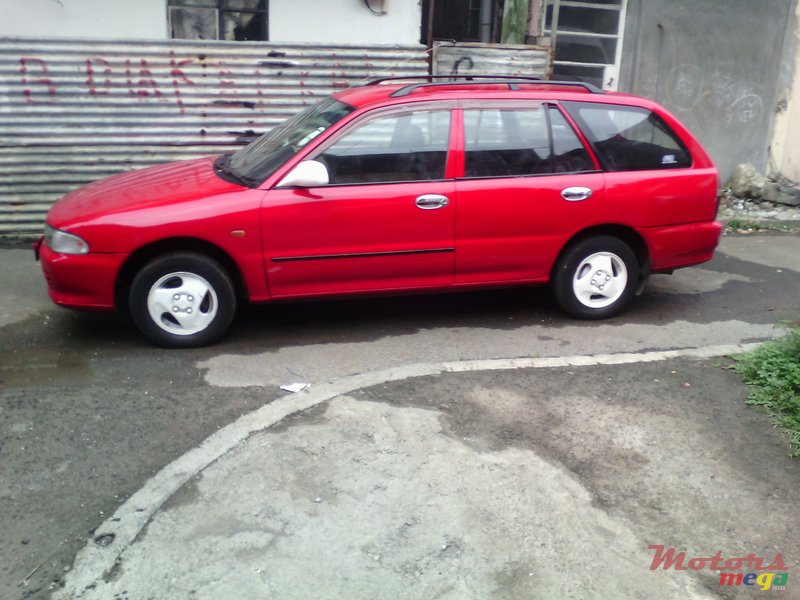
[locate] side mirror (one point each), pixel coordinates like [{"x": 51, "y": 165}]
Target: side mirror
[{"x": 308, "y": 174}]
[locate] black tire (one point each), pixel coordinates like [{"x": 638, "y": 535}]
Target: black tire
[
  {"x": 182, "y": 300},
  {"x": 596, "y": 278}
]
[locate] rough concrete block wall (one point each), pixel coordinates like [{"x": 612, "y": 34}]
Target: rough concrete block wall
[{"x": 717, "y": 64}]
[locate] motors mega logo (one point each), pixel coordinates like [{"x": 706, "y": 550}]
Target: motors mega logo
[{"x": 755, "y": 573}]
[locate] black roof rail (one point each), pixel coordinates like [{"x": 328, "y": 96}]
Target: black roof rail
[
  {"x": 464, "y": 77},
  {"x": 513, "y": 82}
]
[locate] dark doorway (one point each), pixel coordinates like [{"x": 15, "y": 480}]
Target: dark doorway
[{"x": 461, "y": 20}]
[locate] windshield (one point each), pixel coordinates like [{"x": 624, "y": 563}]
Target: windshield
[{"x": 262, "y": 157}]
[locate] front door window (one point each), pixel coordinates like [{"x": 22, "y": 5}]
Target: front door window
[{"x": 392, "y": 148}]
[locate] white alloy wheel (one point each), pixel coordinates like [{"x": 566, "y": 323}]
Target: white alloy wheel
[
  {"x": 600, "y": 280},
  {"x": 596, "y": 277},
  {"x": 182, "y": 303},
  {"x": 182, "y": 300}
]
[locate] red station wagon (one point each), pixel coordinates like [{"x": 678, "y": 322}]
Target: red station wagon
[{"x": 397, "y": 185}]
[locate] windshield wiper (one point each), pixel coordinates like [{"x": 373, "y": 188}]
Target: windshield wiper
[{"x": 223, "y": 169}]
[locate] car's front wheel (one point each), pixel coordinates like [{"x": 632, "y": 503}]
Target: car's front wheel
[
  {"x": 182, "y": 300},
  {"x": 596, "y": 278}
]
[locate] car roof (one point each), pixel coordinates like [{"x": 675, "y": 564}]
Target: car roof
[{"x": 390, "y": 92}]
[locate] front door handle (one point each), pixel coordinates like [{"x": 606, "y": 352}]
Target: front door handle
[
  {"x": 576, "y": 194},
  {"x": 432, "y": 201}
]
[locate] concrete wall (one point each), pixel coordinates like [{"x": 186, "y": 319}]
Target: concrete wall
[
  {"x": 318, "y": 21},
  {"x": 344, "y": 21},
  {"x": 88, "y": 19},
  {"x": 717, "y": 64}
]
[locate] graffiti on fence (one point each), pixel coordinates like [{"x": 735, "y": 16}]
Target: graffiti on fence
[{"x": 167, "y": 81}]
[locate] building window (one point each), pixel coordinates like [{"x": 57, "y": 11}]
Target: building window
[
  {"x": 588, "y": 39},
  {"x": 232, "y": 20}
]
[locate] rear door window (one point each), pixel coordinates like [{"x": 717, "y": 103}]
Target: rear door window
[
  {"x": 536, "y": 140},
  {"x": 628, "y": 138},
  {"x": 502, "y": 143}
]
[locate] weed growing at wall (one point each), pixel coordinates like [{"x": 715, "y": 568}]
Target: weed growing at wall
[{"x": 773, "y": 373}]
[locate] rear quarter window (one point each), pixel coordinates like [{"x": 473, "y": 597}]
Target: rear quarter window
[{"x": 629, "y": 138}]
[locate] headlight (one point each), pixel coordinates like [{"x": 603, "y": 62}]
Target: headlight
[{"x": 63, "y": 242}]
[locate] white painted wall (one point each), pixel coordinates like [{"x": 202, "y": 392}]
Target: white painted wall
[
  {"x": 786, "y": 131},
  {"x": 92, "y": 19},
  {"x": 344, "y": 22},
  {"x": 322, "y": 21}
]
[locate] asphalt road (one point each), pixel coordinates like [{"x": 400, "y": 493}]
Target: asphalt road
[{"x": 89, "y": 414}]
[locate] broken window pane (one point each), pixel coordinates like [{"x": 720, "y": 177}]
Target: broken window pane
[
  {"x": 243, "y": 26},
  {"x": 193, "y": 23}
]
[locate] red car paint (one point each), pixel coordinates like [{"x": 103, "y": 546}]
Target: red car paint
[{"x": 343, "y": 239}]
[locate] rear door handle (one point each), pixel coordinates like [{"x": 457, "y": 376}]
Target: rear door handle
[
  {"x": 576, "y": 194},
  {"x": 432, "y": 201}
]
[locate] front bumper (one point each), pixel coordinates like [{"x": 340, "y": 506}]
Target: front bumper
[{"x": 84, "y": 281}]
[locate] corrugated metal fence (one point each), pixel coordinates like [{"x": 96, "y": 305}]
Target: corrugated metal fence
[
  {"x": 75, "y": 111},
  {"x": 473, "y": 58}
]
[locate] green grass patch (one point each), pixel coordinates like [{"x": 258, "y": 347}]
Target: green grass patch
[
  {"x": 739, "y": 226},
  {"x": 773, "y": 373}
]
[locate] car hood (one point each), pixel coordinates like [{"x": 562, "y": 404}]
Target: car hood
[{"x": 160, "y": 185}]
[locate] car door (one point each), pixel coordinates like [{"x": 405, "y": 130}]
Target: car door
[
  {"x": 527, "y": 185},
  {"x": 386, "y": 219},
  {"x": 644, "y": 159}
]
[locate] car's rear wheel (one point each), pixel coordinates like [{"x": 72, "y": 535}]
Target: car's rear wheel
[
  {"x": 596, "y": 277},
  {"x": 182, "y": 300}
]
